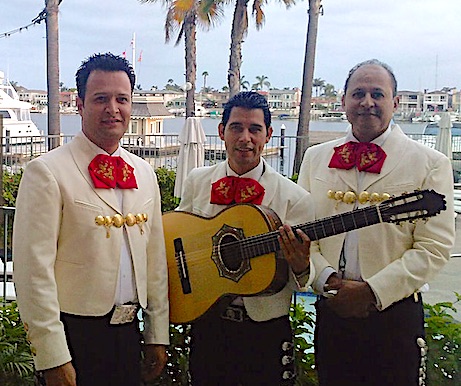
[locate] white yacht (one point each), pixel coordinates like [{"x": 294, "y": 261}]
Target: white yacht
[{"x": 17, "y": 123}]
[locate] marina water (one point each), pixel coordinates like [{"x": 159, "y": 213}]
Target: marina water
[{"x": 70, "y": 124}]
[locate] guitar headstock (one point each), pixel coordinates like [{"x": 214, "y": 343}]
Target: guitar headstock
[{"x": 411, "y": 206}]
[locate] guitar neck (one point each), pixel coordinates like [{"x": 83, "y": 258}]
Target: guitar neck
[{"x": 316, "y": 230}]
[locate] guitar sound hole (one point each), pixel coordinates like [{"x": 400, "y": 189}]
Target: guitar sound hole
[{"x": 230, "y": 253}]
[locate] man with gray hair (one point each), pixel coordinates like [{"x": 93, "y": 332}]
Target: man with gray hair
[{"x": 370, "y": 324}]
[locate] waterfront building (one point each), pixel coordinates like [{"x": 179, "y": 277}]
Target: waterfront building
[
  {"x": 435, "y": 101},
  {"x": 147, "y": 114},
  {"x": 37, "y": 98}
]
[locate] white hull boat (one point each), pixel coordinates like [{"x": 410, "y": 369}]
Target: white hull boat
[{"x": 18, "y": 127}]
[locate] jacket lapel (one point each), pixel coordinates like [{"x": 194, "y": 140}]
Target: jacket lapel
[
  {"x": 395, "y": 144},
  {"x": 82, "y": 155}
]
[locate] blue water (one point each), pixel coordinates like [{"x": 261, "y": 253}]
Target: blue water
[{"x": 70, "y": 124}]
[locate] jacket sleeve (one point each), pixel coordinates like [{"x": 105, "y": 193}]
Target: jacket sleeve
[
  {"x": 35, "y": 238},
  {"x": 156, "y": 328},
  {"x": 432, "y": 241}
]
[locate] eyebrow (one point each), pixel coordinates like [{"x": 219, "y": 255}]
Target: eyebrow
[{"x": 240, "y": 124}]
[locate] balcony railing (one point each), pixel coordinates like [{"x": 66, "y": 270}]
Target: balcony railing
[{"x": 159, "y": 150}]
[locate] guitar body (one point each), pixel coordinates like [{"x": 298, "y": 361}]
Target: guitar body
[{"x": 201, "y": 271}]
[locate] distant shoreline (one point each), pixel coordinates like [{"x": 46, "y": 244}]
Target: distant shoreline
[{"x": 70, "y": 125}]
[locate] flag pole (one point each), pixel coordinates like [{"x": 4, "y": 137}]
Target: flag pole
[{"x": 133, "y": 50}]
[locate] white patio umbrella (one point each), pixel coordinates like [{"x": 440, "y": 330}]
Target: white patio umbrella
[
  {"x": 191, "y": 152},
  {"x": 443, "y": 140}
]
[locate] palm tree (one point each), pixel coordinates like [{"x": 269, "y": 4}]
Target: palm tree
[
  {"x": 318, "y": 84},
  {"x": 244, "y": 84},
  {"x": 52, "y": 69},
  {"x": 308, "y": 75},
  {"x": 261, "y": 82},
  {"x": 184, "y": 15},
  {"x": 238, "y": 32},
  {"x": 205, "y": 75},
  {"x": 329, "y": 90}
]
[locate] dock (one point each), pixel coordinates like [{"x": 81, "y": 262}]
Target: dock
[{"x": 316, "y": 137}]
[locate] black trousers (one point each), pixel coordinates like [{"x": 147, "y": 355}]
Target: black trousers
[
  {"x": 248, "y": 353},
  {"x": 104, "y": 354},
  {"x": 379, "y": 350}
]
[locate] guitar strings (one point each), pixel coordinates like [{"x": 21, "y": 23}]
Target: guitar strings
[{"x": 336, "y": 224}]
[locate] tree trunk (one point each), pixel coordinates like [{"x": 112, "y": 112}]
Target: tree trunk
[
  {"x": 302, "y": 141},
  {"x": 52, "y": 68},
  {"x": 191, "y": 60},
  {"x": 239, "y": 27}
]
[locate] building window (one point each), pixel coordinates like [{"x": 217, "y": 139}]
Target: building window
[{"x": 134, "y": 127}]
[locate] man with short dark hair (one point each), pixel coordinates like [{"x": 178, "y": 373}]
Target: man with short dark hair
[
  {"x": 88, "y": 245},
  {"x": 249, "y": 342},
  {"x": 370, "y": 324}
]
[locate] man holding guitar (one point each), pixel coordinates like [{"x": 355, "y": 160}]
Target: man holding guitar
[
  {"x": 248, "y": 340},
  {"x": 370, "y": 325}
]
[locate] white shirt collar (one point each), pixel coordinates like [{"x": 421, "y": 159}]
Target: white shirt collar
[
  {"x": 95, "y": 147},
  {"x": 377, "y": 141},
  {"x": 254, "y": 173}
]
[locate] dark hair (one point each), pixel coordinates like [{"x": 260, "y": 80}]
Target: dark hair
[
  {"x": 103, "y": 62},
  {"x": 247, "y": 100},
  {"x": 374, "y": 62}
]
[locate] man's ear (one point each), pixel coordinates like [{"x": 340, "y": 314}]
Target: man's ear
[
  {"x": 396, "y": 102},
  {"x": 269, "y": 133},
  {"x": 80, "y": 105},
  {"x": 221, "y": 131}
]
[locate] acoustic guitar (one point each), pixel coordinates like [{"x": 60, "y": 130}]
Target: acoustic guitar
[{"x": 237, "y": 251}]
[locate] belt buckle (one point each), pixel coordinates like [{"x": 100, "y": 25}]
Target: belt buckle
[
  {"x": 234, "y": 314},
  {"x": 124, "y": 313}
]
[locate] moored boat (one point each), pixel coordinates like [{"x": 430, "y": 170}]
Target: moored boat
[{"x": 17, "y": 123}]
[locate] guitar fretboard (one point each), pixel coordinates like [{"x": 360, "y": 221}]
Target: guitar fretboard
[{"x": 268, "y": 243}]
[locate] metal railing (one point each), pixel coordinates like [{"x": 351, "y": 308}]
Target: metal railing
[
  {"x": 159, "y": 150},
  {"x": 6, "y": 257}
]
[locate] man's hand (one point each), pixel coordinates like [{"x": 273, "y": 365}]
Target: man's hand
[
  {"x": 296, "y": 251},
  {"x": 155, "y": 359},
  {"x": 354, "y": 299},
  {"x": 61, "y": 376}
]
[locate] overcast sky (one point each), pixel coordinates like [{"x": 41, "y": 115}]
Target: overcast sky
[{"x": 419, "y": 39}]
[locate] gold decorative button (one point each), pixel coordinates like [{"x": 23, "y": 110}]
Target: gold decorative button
[
  {"x": 364, "y": 197},
  {"x": 130, "y": 219},
  {"x": 375, "y": 197},
  {"x": 349, "y": 197},
  {"x": 118, "y": 220},
  {"x": 331, "y": 194},
  {"x": 108, "y": 221},
  {"x": 385, "y": 196},
  {"x": 339, "y": 195},
  {"x": 139, "y": 218},
  {"x": 99, "y": 220}
]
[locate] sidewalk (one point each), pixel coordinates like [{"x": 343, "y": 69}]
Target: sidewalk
[{"x": 448, "y": 280}]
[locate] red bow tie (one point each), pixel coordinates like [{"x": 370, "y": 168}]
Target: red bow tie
[
  {"x": 365, "y": 156},
  {"x": 230, "y": 190},
  {"x": 108, "y": 172}
]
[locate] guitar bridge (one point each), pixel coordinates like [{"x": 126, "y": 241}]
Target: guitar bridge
[{"x": 181, "y": 264}]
